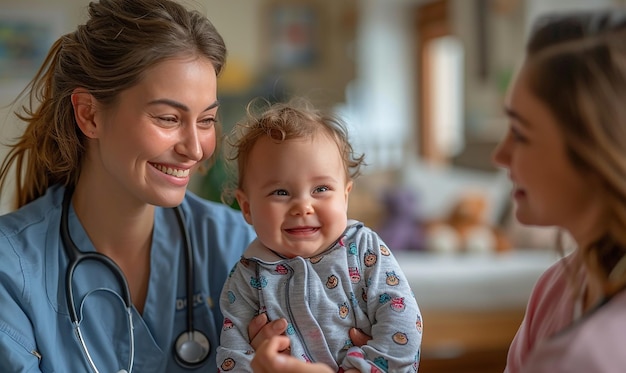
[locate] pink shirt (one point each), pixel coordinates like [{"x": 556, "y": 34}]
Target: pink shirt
[{"x": 550, "y": 340}]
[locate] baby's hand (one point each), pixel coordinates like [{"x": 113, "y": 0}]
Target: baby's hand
[{"x": 269, "y": 359}]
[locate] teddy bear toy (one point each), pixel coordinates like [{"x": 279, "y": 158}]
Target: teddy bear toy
[{"x": 465, "y": 229}]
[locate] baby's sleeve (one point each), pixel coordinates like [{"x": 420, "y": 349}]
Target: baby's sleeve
[
  {"x": 239, "y": 304},
  {"x": 392, "y": 309}
]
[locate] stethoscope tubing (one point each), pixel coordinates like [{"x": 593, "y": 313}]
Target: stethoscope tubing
[
  {"x": 76, "y": 256},
  {"x": 188, "y": 268}
]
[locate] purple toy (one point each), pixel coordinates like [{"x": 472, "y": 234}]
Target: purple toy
[{"x": 401, "y": 229}]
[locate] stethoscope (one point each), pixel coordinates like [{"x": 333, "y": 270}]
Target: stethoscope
[{"x": 192, "y": 346}]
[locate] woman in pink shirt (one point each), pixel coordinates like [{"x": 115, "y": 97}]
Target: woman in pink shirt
[{"x": 566, "y": 155}]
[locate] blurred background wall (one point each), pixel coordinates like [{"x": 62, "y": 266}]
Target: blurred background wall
[
  {"x": 419, "y": 83},
  {"x": 421, "y": 86}
]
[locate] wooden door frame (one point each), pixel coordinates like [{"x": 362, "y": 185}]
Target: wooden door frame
[{"x": 432, "y": 21}]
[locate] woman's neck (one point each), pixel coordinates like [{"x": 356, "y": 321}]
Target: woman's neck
[
  {"x": 121, "y": 230},
  {"x": 115, "y": 227}
]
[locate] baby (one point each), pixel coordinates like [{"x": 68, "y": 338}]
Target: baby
[{"x": 310, "y": 264}]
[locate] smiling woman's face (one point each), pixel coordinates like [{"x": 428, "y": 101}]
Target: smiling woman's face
[
  {"x": 158, "y": 132},
  {"x": 548, "y": 189}
]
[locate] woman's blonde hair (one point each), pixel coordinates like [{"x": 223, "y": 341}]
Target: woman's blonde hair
[
  {"x": 577, "y": 68},
  {"x": 106, "y": 55}
]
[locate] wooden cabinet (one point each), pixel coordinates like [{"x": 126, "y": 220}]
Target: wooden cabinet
[{"x": 473, "y": 341}]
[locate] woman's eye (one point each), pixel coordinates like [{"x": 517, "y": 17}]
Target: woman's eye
[
  {"x": 167, "y": 120},
  {"x": 516, "y": 135},
  {"x": 207, "y": 122}
]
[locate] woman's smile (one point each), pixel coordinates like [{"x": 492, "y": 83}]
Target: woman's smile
[{"x": 180, "y": 173}]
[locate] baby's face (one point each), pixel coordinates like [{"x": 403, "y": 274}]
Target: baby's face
[{"x": 295, "y": 194}]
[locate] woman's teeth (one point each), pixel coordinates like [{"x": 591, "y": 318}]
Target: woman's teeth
[{"x": 172, "y": 171}]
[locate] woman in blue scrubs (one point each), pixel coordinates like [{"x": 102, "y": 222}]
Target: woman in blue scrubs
[
  {"x": 119, "y": 117},
  {"x": 127, "y": 115}
]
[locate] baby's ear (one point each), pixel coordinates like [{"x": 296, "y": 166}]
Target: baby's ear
[
  {"x": 348, "y": 189},
  {"x": 349, "y": 185},
  {"x": 244, "y": 205},
  {"x": 85, "y": 111}
]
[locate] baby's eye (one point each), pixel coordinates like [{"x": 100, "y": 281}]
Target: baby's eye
[
  {"x": 280, "y": 192},
  {"x": 321, "y": 189}
]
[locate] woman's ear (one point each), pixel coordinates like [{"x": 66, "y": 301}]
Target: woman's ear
[{"x": 85, "y": 111}]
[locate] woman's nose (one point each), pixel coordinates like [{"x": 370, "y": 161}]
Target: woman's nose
[
  {"x": 189, "y": 143},
  {"x": 501, "y": 155}
]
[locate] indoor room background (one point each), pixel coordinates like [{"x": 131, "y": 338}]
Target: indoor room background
[{"x": 421, "y": 86}]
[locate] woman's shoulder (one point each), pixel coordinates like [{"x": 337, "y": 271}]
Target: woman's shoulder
[
  {"x": 552, "y": 286},
  {"x": 551, "y": 303},
  {"x": 216, "y": 219},
  {"x": 219, "y": 232},
  {"x": 36, "y": 215},
  {"x": 210, "y": 211},
  {"x": 592, "y": 344},
  {"x": 24, "y": 236},
  {"x": 557, "y": 275}
]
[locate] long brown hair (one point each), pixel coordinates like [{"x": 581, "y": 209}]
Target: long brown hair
[
  {"x": 577, "y": 66},
  {"x": 106, "y": 55}
]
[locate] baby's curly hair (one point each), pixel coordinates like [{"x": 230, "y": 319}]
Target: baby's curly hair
[{"x": 284, "y": 121}]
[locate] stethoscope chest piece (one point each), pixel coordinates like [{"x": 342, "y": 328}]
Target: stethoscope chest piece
[{"x": 191, "y": 348}]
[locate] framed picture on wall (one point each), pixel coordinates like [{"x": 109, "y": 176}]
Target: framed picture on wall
[
  {"x": 293, "y": 30},
  {"x": 26, "y": 35}
]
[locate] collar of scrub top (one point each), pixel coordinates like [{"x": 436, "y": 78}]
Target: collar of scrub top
[{"x": 191, "y": 348}]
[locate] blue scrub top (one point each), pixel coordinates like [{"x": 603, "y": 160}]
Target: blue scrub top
[{"x": 36, "y": 334}]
